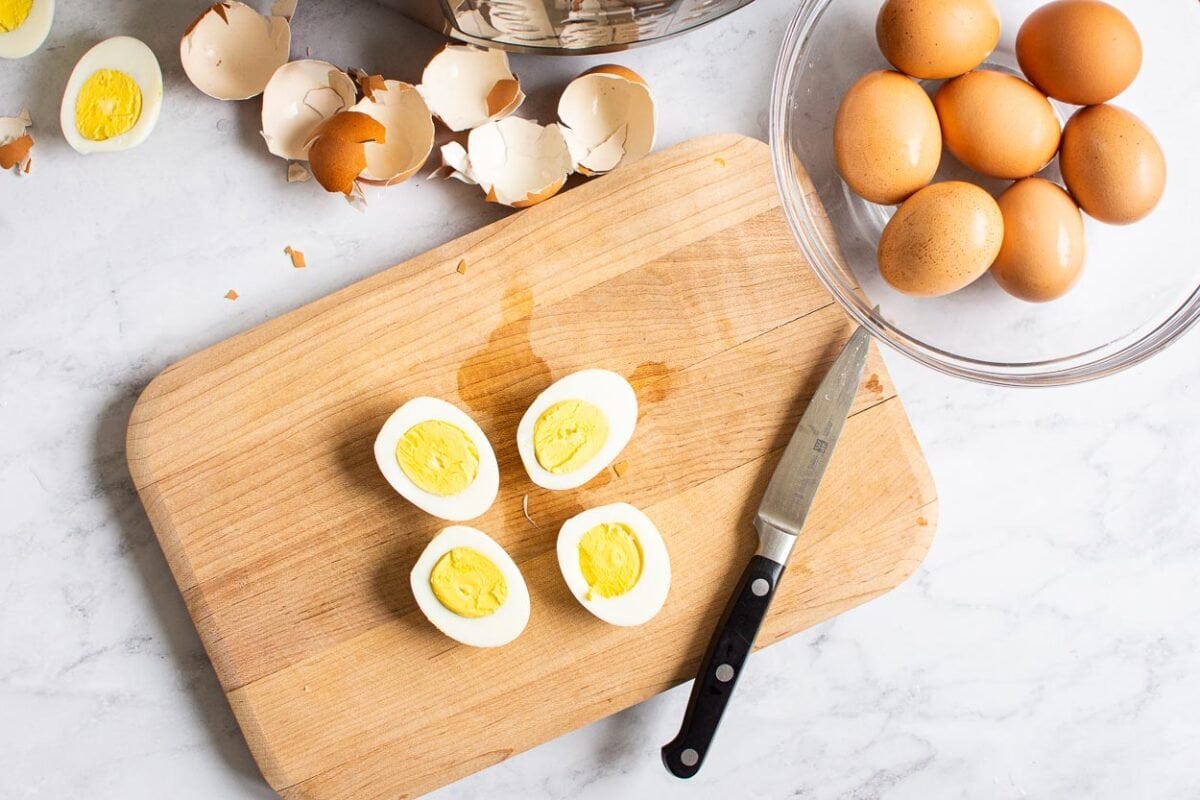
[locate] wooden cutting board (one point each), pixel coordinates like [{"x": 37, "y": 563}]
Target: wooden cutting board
[{"x": 254, "y": 461}]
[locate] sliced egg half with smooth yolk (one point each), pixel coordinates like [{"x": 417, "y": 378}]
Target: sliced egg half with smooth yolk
[
  {"x": 576, "y": 428},
  {"x": 615, "y": 563},
  {"x": 24, "y": 25},
  {"x": 470, "y": 589},
  {"x": 438, "y": 459},
  {"x": 113, "y": 97}
]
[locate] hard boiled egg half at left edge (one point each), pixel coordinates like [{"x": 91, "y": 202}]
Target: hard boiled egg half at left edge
[
  {"x": 614, "y": 561},
  {"x": 113, "y": 97},
  {"x": 469, "y": 588},
  {"x": 438, "y": 459},
  {"x": 575, "y": 428},
  {"x": 24, "y": 25}
]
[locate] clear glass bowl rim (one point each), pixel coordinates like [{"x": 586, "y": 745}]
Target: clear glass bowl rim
[{"x": 1119, "y": 354}]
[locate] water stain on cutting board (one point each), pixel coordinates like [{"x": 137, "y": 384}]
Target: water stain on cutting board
[{"x": 651, "y": 381}]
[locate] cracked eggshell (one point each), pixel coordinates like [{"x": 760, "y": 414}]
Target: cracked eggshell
[
  {"x": 15, "y": 142},
  {"x": 467, "y": 86},
  {"x": 608, "y": 118},
  {"x": 518, "y": 162},
  {"x": 299, "y": 97},
  {"x": 231, "y": 50},
  {"x": 402, "y": 112},
  {"x": 337, "y": 152}
]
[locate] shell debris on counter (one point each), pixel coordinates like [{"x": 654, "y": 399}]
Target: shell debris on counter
[
  {"x": 113, "y": 97},
  {"x": 466, "y": 86},
  {"x": 408, "y": 126},
  {"x": 517, "y": 162},
  {"x": 300, "y": 96},
  {"x": 607, "y": 115},
  {"x": 337, "y": 152},
  {"x": 16, "y": 143},
  {"x": 231, "y": 50},
  {"x": 24, "y": 26}
]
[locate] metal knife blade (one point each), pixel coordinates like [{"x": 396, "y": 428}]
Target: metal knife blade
[{"x": 794, "y": 483}]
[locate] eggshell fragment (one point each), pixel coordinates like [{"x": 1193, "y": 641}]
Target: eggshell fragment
[
  {"x": 298, "y": 98},
  {"x": 401, "y": 110},
  {"x": 16, "y": 142},
  {"x": 231, "y": 51},
  {"x": 337, "y": 152},
  {"x": 941, "y": 239},
  {"x": 518, "y": 162},
  {"x": 607, "y": 117},
  {"x": 466, "y": 86},
  {"x": 1112, "y": 164}
]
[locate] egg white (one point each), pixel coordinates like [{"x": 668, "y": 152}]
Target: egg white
[
  {"x": 31, "y": 33},
  {"x": 135, "y": 59},
  {"x": 496, "y": 629},
  {"x": 471, "y": 502},
  {"x": 641, "y": 603},
  {"x": 606, "y": 390}
]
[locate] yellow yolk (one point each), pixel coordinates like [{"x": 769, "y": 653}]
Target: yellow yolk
[
  {"x": 568, "y": 435},
  {"x": 466, "y": 582},
  {"x": 438, "y": 457},
  {"x": 13, "y": 14},
  {"x": 610, "y": 558},
  {"x": 109, "y": 104}
]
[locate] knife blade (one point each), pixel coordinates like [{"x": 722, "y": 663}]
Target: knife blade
[{"x": 780, "y": 518}]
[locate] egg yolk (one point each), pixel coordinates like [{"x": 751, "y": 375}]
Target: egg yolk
[
  {"x": 438, "y": 457},
  {"x": 13, "y": 14},
  {"x": 109, "y": 104},
  {"x": 610, "y": 558},
  {"x": 568, "y": 435},
  {"x": 467, "y": 583}
]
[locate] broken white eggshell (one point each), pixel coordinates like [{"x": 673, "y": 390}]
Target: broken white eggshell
[
  {"x": 608, "y": 118},
  {"x": 299, "y": 97},
  {"x": 466, "y": 86},
  {"x": 15, "y": 142},
  {"x": 516, "y": 161},
  {"x": 231, "y": 50},
  {"x": 405, "y": 117}
]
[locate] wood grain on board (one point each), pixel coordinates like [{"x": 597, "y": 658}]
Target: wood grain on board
[{"x": 254, "y": 461}]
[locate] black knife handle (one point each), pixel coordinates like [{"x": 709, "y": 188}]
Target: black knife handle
[{"x": 722, "y": 666}]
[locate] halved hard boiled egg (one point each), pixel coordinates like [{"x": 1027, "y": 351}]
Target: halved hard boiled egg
[
  {"x": 438, "y": 459},
  {"x": 470, "y": 589},
  {"x": 113, "y": 97},
  {"x": 576, "y": 427},
  {"x": 615, "y": 563},
  {"x": 24, "y": 25}
]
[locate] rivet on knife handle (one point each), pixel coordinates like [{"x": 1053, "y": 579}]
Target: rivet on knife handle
[{"x": 722, "y": 666}]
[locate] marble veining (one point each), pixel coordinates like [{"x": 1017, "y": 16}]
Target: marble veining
[{"x": 1047, "y": 647}]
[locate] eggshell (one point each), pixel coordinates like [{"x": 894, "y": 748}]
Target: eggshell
[
  {"x": 231, "y": 51},
  {"x": 467, "y": 86},
  {"x": 1112, "y": 164},
  {"x": 1041, "y": 256},
  {"x": 942, "y": 238},
  {"x": 607, "y": 117},
  {"x": 337, "y": 153},
  {"x": 518, "y": 162},
  {"x": 1079, "y": 51},
  {"x": 937, "y": 38},
  {"x": 997, "y": 124},
  {"x": 886, "y": 137},
  {"x": 299, "y": 97},
  {"x": 401, "y": 110},
  {"x": 16, "y": 142}
]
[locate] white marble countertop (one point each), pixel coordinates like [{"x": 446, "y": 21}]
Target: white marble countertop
[{"x": 1048, "y": 647}]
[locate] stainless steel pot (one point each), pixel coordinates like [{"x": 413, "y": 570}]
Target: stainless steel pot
[{"x": 563, "y": 27}]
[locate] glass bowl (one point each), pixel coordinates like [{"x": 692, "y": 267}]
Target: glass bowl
[{"x": 1140, "y": 289}]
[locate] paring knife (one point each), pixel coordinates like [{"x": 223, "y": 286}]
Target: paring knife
[{"x": 778, "y": 522}]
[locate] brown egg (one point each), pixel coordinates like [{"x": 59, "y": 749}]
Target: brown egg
[
  {"x": 1042, "y": 253},
  {"x": 937, "y": 38},
  {"x": 1112, "y": 164},
  {"x": 997, "y": 124},
  {"x": 1079, "y": 51},
  {"x": 886, "y": 137},
  {"x": 942, "y": 238}
]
